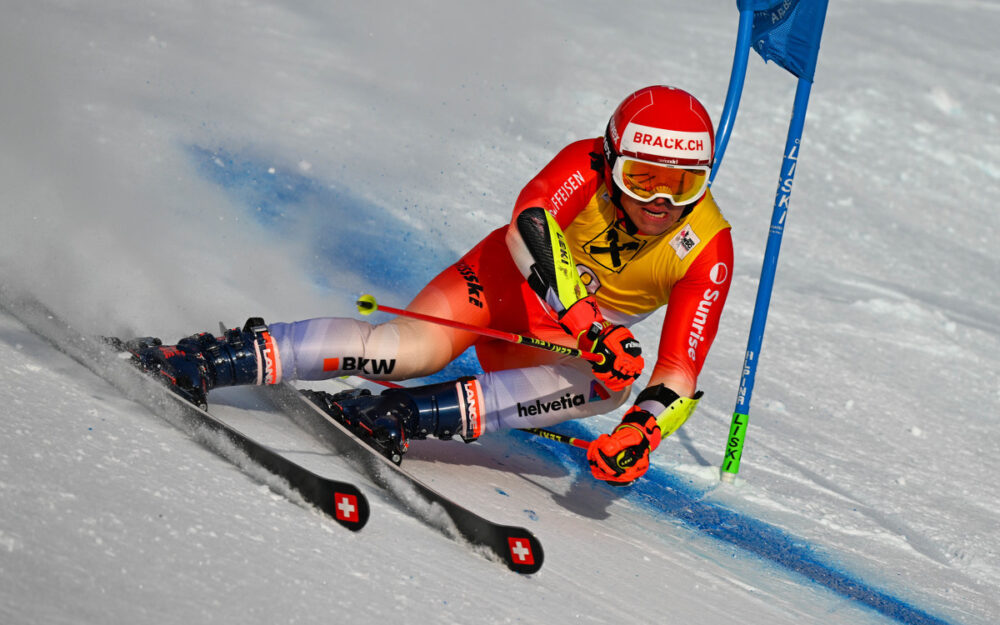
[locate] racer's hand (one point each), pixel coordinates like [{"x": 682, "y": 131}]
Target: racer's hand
[
  {"x": 622, "y": 354},
  {"x": 622, "y": 457},
  {"x": 581, "y": 317}
]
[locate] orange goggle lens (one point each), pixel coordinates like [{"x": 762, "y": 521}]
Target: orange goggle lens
[{"x": 645, "y": 181}]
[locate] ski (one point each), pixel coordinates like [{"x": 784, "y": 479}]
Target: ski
[
  {"x": 519, "y": 549},
  {"x": 342, "y": 501}
]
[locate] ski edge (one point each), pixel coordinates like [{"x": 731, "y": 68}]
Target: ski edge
[
  {"x": 341, "y": 501},
  {"x": 519, "y": 549}
]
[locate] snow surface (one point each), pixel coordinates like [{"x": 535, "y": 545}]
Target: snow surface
[{"x": 165, "y": 166}]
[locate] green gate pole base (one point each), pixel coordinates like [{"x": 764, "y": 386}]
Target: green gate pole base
[{"x": 734, "y": 448}]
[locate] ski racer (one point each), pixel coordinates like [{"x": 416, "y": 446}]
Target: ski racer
[{"x": 612, "y": 229}]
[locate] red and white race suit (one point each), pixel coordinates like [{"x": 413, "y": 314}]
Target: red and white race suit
[{"x": 631, "y": 275}]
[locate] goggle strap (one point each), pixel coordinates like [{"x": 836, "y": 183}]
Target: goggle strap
[{"x": 610, "y": 155}]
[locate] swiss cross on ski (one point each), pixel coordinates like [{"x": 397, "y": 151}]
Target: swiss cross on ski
[
  {"x": 520, "y": 551},
  {"x": 613, "y": 248},
  {"x": 346, "y": 507}
]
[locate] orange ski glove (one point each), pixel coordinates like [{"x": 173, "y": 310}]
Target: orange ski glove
[
  {"x": 622, "y": 356},
  {"x": 622, "y": 457},
  {"x": 622, "y": 362}
]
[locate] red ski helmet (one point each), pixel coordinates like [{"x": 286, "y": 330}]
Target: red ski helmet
[{"x": 660, "y": 126}]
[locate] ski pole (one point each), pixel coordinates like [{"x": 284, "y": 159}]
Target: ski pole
[
  {"x": 557, "y": 437},
  {"x": 367, "y": 305}
]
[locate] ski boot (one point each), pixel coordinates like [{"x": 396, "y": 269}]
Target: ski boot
[
  {"x": 201, "y": 362},
  {"x": 388, "y": 422}
]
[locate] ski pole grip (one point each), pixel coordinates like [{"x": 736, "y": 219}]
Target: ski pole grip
[{"x": 367, "y": 305}]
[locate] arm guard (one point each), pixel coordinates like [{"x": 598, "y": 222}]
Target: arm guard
[
  {"x": 540, "y": 251},
  {"x": 671, "y": 410}
]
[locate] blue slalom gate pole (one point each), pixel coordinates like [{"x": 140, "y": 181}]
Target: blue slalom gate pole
[
  {"x": 741, "y": 414},
  {"x": 787, "y": 32},
  {"x": 735, "y": 90}
]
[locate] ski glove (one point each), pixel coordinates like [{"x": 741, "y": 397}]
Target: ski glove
[
  {"x": 622, "y": 457},
  {"x": 622, "y": 362},
  {"x": 581, "y": 317},
  {"x": 622, "y": 356}
]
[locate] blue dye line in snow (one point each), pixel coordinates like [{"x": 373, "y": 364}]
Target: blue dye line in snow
[
  {"x": 340, "y": 229},
  {"x": 367, "y": 241},
  {"x": 667, "y": 494}
]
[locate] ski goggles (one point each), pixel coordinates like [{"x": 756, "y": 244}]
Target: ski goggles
[{"x": 646, "y": 181}]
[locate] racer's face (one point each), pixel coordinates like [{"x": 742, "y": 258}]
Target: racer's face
[{"x": 652, "y": 218}]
